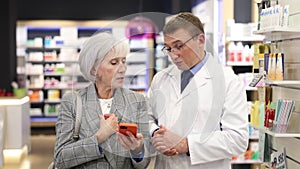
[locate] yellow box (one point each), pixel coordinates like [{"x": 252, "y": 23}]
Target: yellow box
[{"x": 20, "y": 92}]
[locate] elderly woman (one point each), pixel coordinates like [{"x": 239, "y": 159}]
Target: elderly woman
[{"x": 100, "y": 145}]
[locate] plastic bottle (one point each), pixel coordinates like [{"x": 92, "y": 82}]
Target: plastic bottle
[
  {"x": 272, "y": 66},
  {"x": 231, "y": 52},
  {"x": 239, "y": 52},
  {"x": 246, "y": 54},
  {"x": 279, "y": 69},
  {"x": 251, "y": 53},
  {"x": 285, "y": 18}
]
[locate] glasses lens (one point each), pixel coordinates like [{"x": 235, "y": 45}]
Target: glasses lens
[{"x": 165, "y": 50}]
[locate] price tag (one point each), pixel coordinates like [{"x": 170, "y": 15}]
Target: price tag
[
  {"x": 278, "y": 159},
  {"x": 255, "y": 80}
]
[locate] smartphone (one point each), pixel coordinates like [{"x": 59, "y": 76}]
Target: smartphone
[{"x": 131, "y": 127}]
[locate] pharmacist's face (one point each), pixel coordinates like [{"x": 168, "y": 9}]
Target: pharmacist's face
[
  {"x": 111, "y": 71},
  {"x": 185, "y": 49}
]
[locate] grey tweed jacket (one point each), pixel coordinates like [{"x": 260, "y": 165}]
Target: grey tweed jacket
[{"x": 128, "y": 106}]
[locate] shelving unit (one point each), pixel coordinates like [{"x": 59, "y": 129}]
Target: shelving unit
[
  {"x": 140, "y": 63},
  {"x": 286, "y": 40},
  {"x": 243, "y": 68},
  {"x": 54, "y": 76},
  {"x": 139, "y": 69},
  {"x": 271, "y": 133},
  {"x": 279, "y": 34},
  {"x": 51, "y": 67},
  {"x": 246, "y": 162},
  {"x": 230, "y": 63},
  {"x": 258, "y": 38}
]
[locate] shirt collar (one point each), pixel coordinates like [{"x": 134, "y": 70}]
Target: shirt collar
[{"x": 199, "y": 65}]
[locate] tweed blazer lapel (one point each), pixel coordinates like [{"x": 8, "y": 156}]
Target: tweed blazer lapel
[
  {"x": 111, "y": 148},
  {"x": 92, "y": 109},
  {"x": 119, "y": 104}
]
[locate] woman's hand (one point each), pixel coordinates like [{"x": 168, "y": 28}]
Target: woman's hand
[
  {"x": 131, "y": 142},
  {"x": 108, "y": 127}
]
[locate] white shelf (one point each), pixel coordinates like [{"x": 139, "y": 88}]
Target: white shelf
[
  {"x": 293, "y": 84},
  {"x": 253, "y": 137},
  {"x": 62, "y": 61},
  {"x": 49, "y": 47},
  {"x": 245, "y": 162},
  {"x": 229, "y": 63},
  {"x": 52, "y": 101},
  {"x": 279, "y": 33},
  {"x": 264, "y": 130},
  {"x": 62, "y": 46},
  {"x": 249, "y": 88},
  {"x": 283, "y": 82},
  {"x": 254, "y": 38},
  {"x": 275, "y": 30},
  {"x": 62, "y": 74}
]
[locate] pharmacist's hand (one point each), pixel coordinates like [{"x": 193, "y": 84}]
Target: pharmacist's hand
[
  {"x": 131, "y": 142},
  {"x": 108, "y": 127},
  {"x": 164, "y": 141}
]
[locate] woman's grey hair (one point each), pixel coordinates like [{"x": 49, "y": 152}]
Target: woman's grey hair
[{"x": 95, "y": 49}]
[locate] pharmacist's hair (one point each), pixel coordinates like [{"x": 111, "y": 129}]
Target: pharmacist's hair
[
  {"x": 186, "y": 21},
  {"x": 95, "y": 48}
]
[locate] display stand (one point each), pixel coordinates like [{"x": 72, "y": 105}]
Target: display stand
[{"x": 15, "y": 126}]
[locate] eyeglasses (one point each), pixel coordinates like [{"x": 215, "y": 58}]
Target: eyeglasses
[{"x": 167, "y": 50}]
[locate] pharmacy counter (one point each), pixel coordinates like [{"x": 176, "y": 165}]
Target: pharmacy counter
[{"x": 14, "y": 129}]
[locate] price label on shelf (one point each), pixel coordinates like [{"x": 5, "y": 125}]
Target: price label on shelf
[
  {"x": 278, "y": 159},
  {"x": 255, "y": 80}
]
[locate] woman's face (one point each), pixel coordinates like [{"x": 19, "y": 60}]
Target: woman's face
[{"x": 111, "y": 71}]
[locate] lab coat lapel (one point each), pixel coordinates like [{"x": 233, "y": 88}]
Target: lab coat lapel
[
  {"x": 200, "y": 78},
  {"x": 175, "y": 74}
]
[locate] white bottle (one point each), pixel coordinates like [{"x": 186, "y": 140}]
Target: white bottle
[
  {"x": 41, "y": 95},
  {"x": 239, "y": 52},
  {"x": 246, "y": 54},
  {"x": 285, "y": 19},
  {"x": 231, "y": 54},
  {"x": 251, "y": 53}
]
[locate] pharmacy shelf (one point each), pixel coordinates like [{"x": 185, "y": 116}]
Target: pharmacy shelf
[
  {"x": 60, "y": 61},
  {"x": 246, "y": 162},
  {"x": 253, "y": 137},
  {"x": 292, "y": 84},
  {"x": 254, "y": 38},
  {"x": 281, "y": 33},
  {"x": 283, "y": 82},
  {"x": 269, "y": 132},
  {"x": 249, "y": 88},
  {"x": 229, "y": 63},
  {"x": 43, "y": 121},
  {"x": 52, "y": 101},
  {"x": 62, "y": 74},
  {"x": 75, "y": 86}
]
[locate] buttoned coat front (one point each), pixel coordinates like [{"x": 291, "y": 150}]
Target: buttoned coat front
[{"x": 211, "y": 113}]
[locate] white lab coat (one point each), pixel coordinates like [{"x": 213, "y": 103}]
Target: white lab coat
[{"x": 211, "y": 112}]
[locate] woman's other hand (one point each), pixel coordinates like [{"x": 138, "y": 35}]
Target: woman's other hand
[
  {"x": 131, "y": 142},
  {"x": 108, "y": 127}
]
